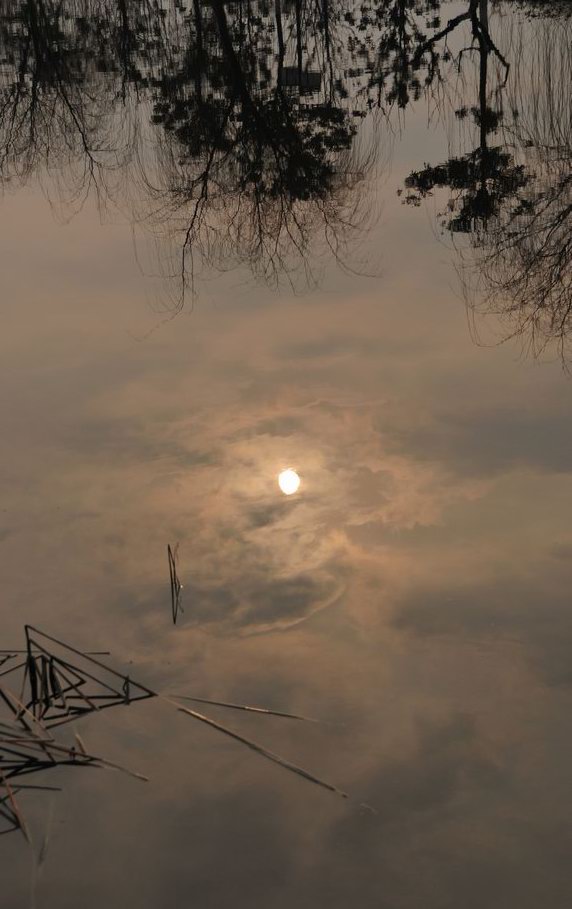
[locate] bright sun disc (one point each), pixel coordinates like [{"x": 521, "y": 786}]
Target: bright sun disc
[{"x": 289, "y": 481}]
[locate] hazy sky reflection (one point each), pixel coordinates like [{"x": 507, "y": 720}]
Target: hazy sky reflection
[{"x": 416, "y": 589}]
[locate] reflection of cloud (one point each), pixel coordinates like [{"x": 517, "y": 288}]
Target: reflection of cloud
[
  {"x": 490, "y": 440},
  {"x": 445, "y": 760},
  {"x": 261, "y": 602},
  {"x": 331, "y": 347},
  {"x": 444, "y": 829},
  {"x": 281, "y": 426},
  {"x": 427, "y": 546},
  {"x": 447, "y": 562},
  {"x": 533, "y": 615},
  {"x": 130, "y": 440}
]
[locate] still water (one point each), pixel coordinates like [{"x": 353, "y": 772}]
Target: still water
[{"x": 335, "y": 239}]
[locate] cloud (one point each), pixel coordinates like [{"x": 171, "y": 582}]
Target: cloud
[
  {"x": 484, "y": 442},
  {"x": 260, "y": 602},
  {"x": 130, "y": 440},
  {"x": 532, "y": 614}
]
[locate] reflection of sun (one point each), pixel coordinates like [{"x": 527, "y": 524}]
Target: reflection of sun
[{"x": 288, "y": 481}]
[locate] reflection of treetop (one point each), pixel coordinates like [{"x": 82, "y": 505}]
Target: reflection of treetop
[
  {"x": 510, "y": 193},
  {"x": 238, "y": 121},
  {"x": 232, "y": 129},
  {"x": 251, "y": 144}
]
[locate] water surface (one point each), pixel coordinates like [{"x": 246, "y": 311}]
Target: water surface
[{"x": 300, "y": 237}]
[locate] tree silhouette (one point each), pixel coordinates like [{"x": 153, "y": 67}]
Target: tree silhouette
[
  {"x": 247, "y": 155},
  {"x": 523, "y": 260},
  {"x": 513, "y": 200},
  {"x": 230, "y": 132},
  {"x": 254, "y": 167}
]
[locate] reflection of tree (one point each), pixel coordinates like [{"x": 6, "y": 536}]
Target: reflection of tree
[
  {"x": 57, "y": 97},
  {"x": 524, "y": 257},
  {"x": 252, "y": 134},
  {"x": 547, "y": 7},
  {"x": 252, "y": 154},
  {"x": 514, "y": 200},
  {"x": 231, "y": 129},
  {"x": 43, "y": 115},
  {"x": 484, "y": 178},
  {"x": 244, "y": 152}
]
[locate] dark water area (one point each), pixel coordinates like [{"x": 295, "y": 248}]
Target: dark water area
[{"x": 239, "y": 239}]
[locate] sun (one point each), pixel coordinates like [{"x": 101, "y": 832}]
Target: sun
[{"x": 289, "y": 482}]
